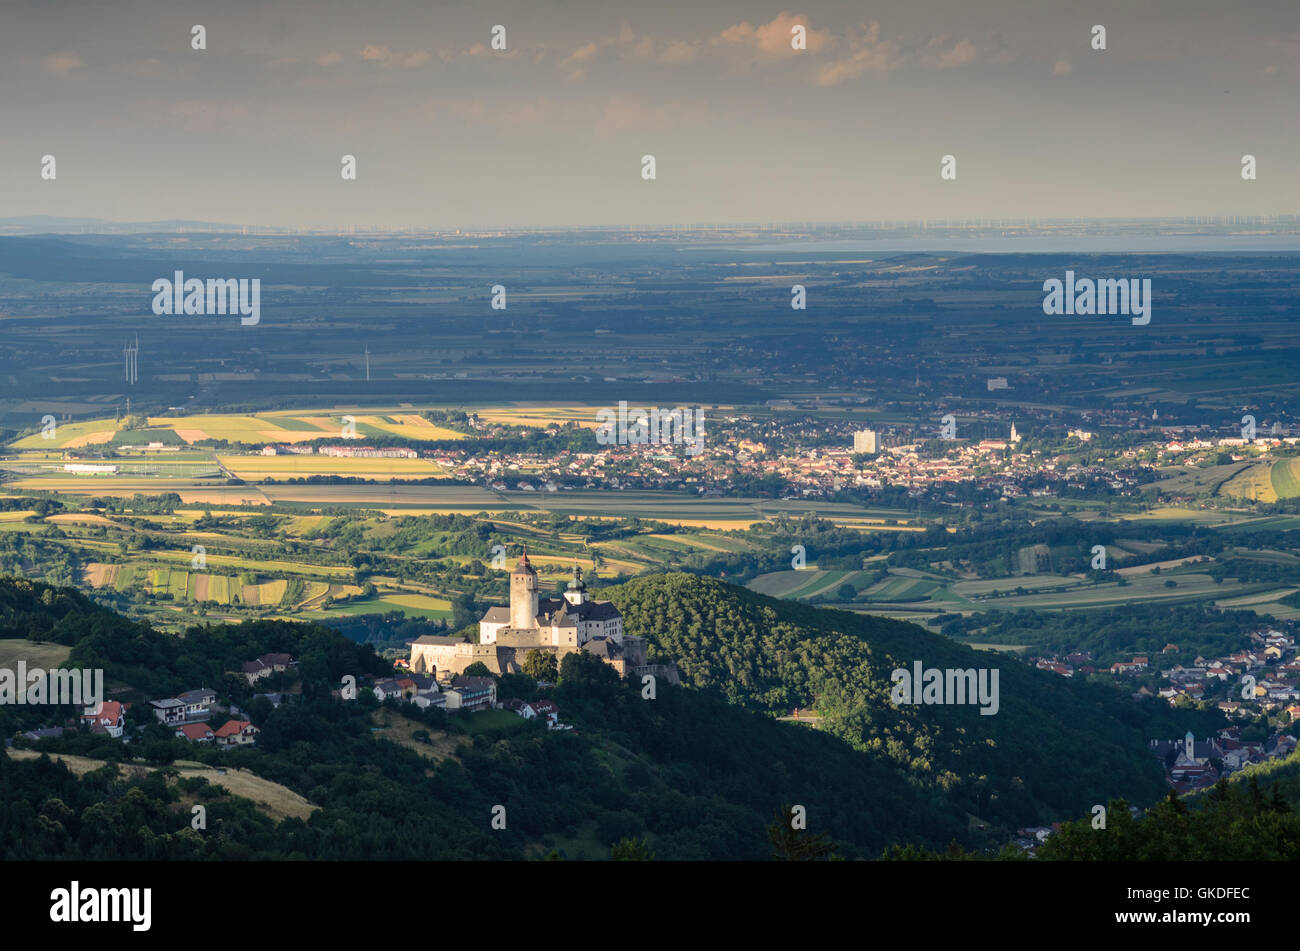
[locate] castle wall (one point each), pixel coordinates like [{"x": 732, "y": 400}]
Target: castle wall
[{"x": 453, "y": 658}]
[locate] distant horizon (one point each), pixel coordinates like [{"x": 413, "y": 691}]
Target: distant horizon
[{"x": 1282, "y": 223}]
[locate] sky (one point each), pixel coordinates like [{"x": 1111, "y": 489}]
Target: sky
[{"x": 449, "y": 133}]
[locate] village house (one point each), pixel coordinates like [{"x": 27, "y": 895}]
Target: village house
[
  {"x": 195, "y": 732},
  {"x": 419, "y": 689},
  {"x": 265, "y": 666},
  {"x": 192, "y": 705},
  {"x": 236, "y": 733},
  {"x": 544, "y": 710},
  {"x": 471, "y": 694},
  {"x": 47, "y": 732},
  {"x": 109, "y": 717}
]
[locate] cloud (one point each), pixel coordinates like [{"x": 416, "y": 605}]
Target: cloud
[
  {"x": 332, "y": 58},
  {"x": 386, "y": 57},
  {"x": 61, "y": 64},
  {"x": 772, "y": 38},
  {"x": 1062, "y": 68},
  {"x": 832, "y": 60},
  {"x": 677, "y": 52},
  {"x": 869, "y": 53},
  {"x": 627, "y": 46},
  {"x": 938, "y": 54}
]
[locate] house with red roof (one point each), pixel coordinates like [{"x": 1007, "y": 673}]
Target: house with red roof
[
  {"x": 108, "y": 718},
  {"x": 195, "y": 732},
  {"x": 236, "y": 733}
]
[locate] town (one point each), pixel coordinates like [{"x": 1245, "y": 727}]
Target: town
[{"x": 1259, "y": 686}]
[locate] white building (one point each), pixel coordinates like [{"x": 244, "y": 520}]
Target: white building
[{"x": 866, "y": 440}]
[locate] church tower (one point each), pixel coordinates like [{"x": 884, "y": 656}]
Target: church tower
[
  {"x": 523, "y": 594},
  {"x": 577, "y": 591}
]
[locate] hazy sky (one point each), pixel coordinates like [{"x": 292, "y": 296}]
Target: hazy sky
[{"x": 449, "y": 133}]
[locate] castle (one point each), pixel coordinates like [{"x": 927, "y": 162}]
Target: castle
[{"x": 560, "y": 626}]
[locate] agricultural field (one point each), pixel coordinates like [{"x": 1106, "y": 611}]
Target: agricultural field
[
  {"x": 1212, "y": 518},
  {"x": 1254, "y": 483},
  {"x": 255, "y": 468},
  {"x": 412, "y": 605},
  {"x": 70, "y": 435},
  {"x": 914, "y": 595},
  {"x": 537, "y": 415},
  {"x": 250, "y": 429},
  {"x": 1285, "y": 478},
  {"x": 1266, "y": 481},
  {"x": 1185, "y": 480},
  {"x": 206, "y": 587}
]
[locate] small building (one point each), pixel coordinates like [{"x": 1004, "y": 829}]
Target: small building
[
  {"x": 195, "y": 732},
  {"x": 236, "y": 733},
  {"x": 169, "y": 710},
  {"x": 109, "y": 717},
  {"x": 471, "y": 693},
  {"x": 190, "y": 706}
]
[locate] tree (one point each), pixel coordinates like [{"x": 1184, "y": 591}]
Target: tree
[
  {"x": 540, "y": 665},
  {"x": 520, "y": 686},
  {"x": 160, "y": 753},
  {"x": 796, "y": 845},
  {"x": 631, "y": 850},
  {"x": 477, "y": 669}
]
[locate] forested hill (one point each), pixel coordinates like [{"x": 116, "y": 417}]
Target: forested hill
[
  {"x": 699, "y": 772},
  {"x": 688, "y": 774},
  {"x": 1055, "y": 747}
]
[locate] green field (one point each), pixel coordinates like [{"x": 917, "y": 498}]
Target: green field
[
  {"x": 42, "y": 654},
  {"x": 914, "y": 595},
  {"x": 413, "y": 605},
  {"x": 1285, "y": 476}
]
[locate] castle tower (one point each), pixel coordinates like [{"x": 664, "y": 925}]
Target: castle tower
[
  {"x": 577, "y": 590},
  {"x": 523, "y": 594}
]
